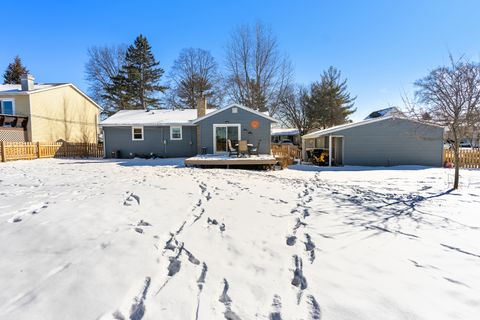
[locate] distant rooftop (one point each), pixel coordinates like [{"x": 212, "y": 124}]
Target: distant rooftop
[
  {"x": 385, "y": 112},
  {"x": 284, "y": 131}
]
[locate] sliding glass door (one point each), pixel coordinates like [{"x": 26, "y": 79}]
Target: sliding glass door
[{"x": 223, "y": 133}]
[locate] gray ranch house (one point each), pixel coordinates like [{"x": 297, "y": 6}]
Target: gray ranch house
[
  {"x": 184, "y": 133},
  {"x": 380, "y": 141}
]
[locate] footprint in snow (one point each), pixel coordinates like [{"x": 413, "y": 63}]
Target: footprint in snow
[
  {"x": 277, "y": 306},
  {"x": 130, "y": 199}
]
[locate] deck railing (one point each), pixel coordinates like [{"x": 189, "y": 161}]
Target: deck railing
[
  {"x": 13, "y": 121},
  {"x": 34, "y": 150},
  {"x": 286, "y": 153}
]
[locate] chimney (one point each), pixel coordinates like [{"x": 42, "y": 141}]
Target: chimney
[
  {"x": 27, "y": 82},
  {"x": 201, "y": 106}
]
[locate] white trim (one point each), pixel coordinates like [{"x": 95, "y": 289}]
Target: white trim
[
  {"x": 181, "y": 132},
  {"x": 237, "y": 106},
  {"x": 7, "y": 99},
  {"x": 216, "y": 125},
  {"x": 152, "y": 124},
  {"x": 143, "y": 133},
  {"x": 327, "y": 131}
]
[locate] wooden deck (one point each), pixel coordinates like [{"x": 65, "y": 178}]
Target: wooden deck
[{"x": 225, "y": 161}]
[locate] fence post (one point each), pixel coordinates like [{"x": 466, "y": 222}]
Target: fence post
[
  {"x": 2, "y": 147},
  {"x": 38, "y": 149}
]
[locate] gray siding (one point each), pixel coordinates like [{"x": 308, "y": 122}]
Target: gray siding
[
  {"x": 243, "y": 118},
  {"x": 393, "y": 142},
  {"x": 120, "y": 138}
]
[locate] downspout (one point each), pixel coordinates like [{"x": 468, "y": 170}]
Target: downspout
[
  {"x": 164, "y": 141},
  {"x": 329, "y": 150}
]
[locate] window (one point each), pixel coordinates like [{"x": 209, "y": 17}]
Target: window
[
  {"x": 7, "y": 107},
  {"x": 234, "y": 110},
  {"x": 137, "y": 133},
  {"x": 176, "y": 133}
]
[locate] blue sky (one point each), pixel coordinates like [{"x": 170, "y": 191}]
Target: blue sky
[{"x": 382, "y": 47}]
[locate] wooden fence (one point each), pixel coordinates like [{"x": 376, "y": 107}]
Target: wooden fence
[
  {"x": 33, "y": 150},
  {"x": 286, "y": 153},
  {"x": 469, "y": 158}
]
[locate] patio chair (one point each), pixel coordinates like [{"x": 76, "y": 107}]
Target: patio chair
[
  {"x": 255, "y": 150},
  {"x": 242, "y": 148},
  {"x": 231, "y": 150}
]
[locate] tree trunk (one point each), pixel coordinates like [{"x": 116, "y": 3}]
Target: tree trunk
[
  {"x": 457, "y": 171},
  {"x": 456, "y": 160}
]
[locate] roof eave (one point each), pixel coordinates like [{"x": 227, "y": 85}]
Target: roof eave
[{"x": 156, "y": 124}]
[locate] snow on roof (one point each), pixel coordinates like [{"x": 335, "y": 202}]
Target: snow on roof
[
  {"x": 16, "y": 88},
  {"x": 384, "y": 112},
  {"x": 152, "y": 117},
  {"x": 318, "y": 133},
  {"x": 323, "y": 132},
  {"x": 284, "y": 131}
]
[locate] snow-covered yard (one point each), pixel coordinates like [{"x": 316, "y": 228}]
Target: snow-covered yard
[{"x": 150, "y": 239}]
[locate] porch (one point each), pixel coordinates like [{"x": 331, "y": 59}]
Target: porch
[{"x": 324, "y": 150}]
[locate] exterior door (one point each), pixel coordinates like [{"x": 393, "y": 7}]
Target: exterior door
[{"x": 223, "y": 133}]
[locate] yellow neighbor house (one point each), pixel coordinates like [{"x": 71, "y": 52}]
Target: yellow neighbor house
[{"x": 47, "y": 113}]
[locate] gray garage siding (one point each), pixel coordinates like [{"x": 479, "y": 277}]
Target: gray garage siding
[
  {"x": 120, "y": 138},
  {"x": 393, "y": 142},
  {"x": 244, "y": 118}
]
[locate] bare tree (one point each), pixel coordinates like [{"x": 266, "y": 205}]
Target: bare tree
[
  {"x": 104, "y": 63},
  {"x": 293, "y": 109},
  {"x": 194, "y": 73},
  {"x": 450, "y": 96},
  {"x": 257, "y": 74}
]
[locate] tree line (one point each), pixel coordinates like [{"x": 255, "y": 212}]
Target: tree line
[{"x": 255, "y": 74}]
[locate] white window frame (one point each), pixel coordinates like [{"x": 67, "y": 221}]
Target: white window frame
[
  {"x": 13, "y": 105},
  {"x": 171, "y": 132},
  {"x": 215, "y": 125},
  {"x": 133, "y": 136}
]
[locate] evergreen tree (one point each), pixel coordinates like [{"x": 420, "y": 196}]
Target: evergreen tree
[
  {"x": 14, "y": 72},
  {"x": 138, "y": 83},
  {"x": 328, "y": 102}
]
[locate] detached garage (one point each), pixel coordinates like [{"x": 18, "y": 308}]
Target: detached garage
[{"x": 384, "y": 141}]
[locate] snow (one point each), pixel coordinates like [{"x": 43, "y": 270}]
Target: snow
[
  {"x": 284, "y": 131},
  {"x": 385, "y": 112},
  {"x": 151, "y": 239},
  {"x": 13, "y": 88},
  {"x": 234, "y": 158},
  {"x": 152, "y": 117}
]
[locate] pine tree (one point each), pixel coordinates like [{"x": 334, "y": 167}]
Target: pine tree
[
  {"x": 138, "y": 82},
  {"x": 329, "y": 103},
  {"x": 14, "y": 72}
]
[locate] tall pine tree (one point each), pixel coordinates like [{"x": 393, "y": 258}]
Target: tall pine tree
[
  {"x": 329, "y": 103},
  {"x": 138, "y": 83},
  {"x": 14, "y": 72}
]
